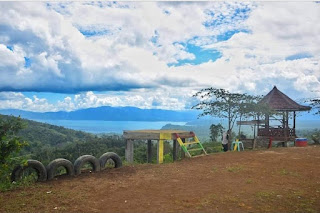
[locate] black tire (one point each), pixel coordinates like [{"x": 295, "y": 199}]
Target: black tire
[
  {"x": 34, "y": 164},
  {"x": 110, "y": 155},
  {"x": 55, "y": 164},
  {"x": 84, "y": 159}
]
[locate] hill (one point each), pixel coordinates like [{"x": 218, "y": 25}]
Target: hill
[
  {"x": 48, "y": 142},
  {"x": 277, "y": 180},
  {"x": 108, "y": 113}
]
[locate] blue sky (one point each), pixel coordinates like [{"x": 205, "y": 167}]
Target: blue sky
[{"x": 73, "y": 55}]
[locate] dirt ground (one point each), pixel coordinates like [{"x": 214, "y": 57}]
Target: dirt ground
[{"x": 275, "y": 180}]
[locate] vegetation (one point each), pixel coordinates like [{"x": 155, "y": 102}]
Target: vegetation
[
  {"x": 315, "y": 103},
  {"x": 231, "y": 106},
  {"x": 10, "y": 145},
  {"x": 215, "y": 131},
  {"x": 47, "y": 142}
]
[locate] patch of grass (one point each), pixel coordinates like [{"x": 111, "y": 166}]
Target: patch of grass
[
  {"x": 285, "y": 172},
  {"x": 235, "y": 168},
  {"x": 214, "y": 169},
  {"x": 249, "y": 181},
  {"x": 25, "y": 181},
  {"x": 266, "y": 195}
]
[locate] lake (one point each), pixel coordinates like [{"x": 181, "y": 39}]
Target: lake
[{"x": 96, "y": 127}]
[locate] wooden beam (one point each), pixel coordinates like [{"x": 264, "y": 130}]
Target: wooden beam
[
  {"x": 154, "y": 134},
  {"x": 129, "y": 151},
  {"x": 149, "y": 154}
]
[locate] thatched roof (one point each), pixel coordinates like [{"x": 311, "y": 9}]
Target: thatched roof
[{"x": 278, "y": 101}]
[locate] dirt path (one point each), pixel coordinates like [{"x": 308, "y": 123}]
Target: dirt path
[{"x": 276, "y": 180}]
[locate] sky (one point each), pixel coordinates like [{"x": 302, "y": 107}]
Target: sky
[{"x": 64, "y": 56}]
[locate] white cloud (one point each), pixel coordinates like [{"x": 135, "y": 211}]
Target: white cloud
[
  {"x": 128, "y": 46},
  {"x": 16, "y": 100}
]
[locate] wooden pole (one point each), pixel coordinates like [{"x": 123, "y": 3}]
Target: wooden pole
[
  {"x": 149, "y": 155},
  {"x": 129, "y": 151},
  {"x": 294, "y": 119},
  {"x": 175, "y": 150},
  {"x": 160, "y": 151},
  {"x": 183, "y": 154}
]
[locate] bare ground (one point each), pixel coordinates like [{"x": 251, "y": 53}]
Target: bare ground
[{"x": 275, "y": 180}]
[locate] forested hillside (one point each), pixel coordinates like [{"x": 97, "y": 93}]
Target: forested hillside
[{"x": 48, "y": 142}]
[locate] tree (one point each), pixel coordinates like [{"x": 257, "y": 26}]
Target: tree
[
  {"x": 231, "y": 106},
  {"x": 215, "y": 131},
  {"x": 10, "y": 145},
  {"x": 220, "y": 103},
  {"x": 316, "y": 104}
]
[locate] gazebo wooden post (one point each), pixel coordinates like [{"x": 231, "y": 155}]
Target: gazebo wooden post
[
  {"x": 294, "y": 121},
  {"x": 286, "y": 130},
  {"x": 294, "y": 126},
  {"x": 129, "y": 151}
]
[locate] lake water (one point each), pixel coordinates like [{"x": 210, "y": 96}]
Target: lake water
[{"x": 97, "y": 127}]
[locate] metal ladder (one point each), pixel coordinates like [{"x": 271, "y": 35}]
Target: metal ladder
[{"x": 184, "y": 146}]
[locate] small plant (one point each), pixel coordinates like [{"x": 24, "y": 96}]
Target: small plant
[
  {"x": 249, "y": 181},
  {"x": 286, "y": 172},
  {"x": 266, "y": 195},
  {"x": 235, "y": 168},
  {"x": 214, "y": 169}
]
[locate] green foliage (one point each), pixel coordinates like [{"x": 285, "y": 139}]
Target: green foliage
[
  {"x": 224, "y": 104},
  {"x": 316, "y": 104},
  {"x": 231, "y": 106},
  {"x": 215, "y": 131},
  {"x": 312, "y": 135},
  {"x": 212, "y": 147},
  {"x": 10, "y": 146}
]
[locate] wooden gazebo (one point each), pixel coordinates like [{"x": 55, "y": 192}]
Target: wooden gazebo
[{"x": 277, "y": 126}]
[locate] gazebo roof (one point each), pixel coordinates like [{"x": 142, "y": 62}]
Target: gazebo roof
[{"x": 280, "y": 102}]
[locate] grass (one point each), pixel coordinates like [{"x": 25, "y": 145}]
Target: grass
[
  {"x": 285, "y": 172},
  {"x": 236, "y": 168},
  {"x": 249, "y": 181}
]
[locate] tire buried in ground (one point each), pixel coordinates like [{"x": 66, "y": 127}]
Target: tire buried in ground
[
  {"x": 33, "y": 164},
  {"x": 55, "y": 164},
  {"x": 110, "y": 155},
  {"x": 86, "y": 159}
]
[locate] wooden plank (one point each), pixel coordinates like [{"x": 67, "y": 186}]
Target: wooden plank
[
  {"x": 160, "y": 151},
  {"x": 252, "y": 122},
  {"x": 129, "y": 151},
  {"x": 175, "y": 150},
  {"x": 183, "y": 154},
  {"x": 154, "y": 134},
  {"x": 141, "y": 136},
  {"x": 149, "y": 154}
]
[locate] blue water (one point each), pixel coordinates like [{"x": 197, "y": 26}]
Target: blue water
[{"x": 97, "y": 127}]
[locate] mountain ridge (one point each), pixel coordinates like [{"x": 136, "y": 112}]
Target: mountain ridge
[{"x": 108, "y": 113}]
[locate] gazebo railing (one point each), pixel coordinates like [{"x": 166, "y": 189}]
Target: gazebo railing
[{"x": 277, "y": 132}]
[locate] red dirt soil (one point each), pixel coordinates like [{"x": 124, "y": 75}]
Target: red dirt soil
[{"x": 275, "y": 180}]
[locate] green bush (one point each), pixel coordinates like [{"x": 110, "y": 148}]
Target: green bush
[{"x": 10, "y": 146}]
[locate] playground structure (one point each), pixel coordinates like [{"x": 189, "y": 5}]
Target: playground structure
[{"x": 177, "y": 136}]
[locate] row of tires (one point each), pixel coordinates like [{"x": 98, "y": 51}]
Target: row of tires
[{"x": 49, "y": 172}]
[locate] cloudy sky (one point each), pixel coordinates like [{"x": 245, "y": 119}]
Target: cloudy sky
[{"x": 73, "y": 55}]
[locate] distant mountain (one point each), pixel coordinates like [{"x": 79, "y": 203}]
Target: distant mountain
[{"x": 109, "y": 114}]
